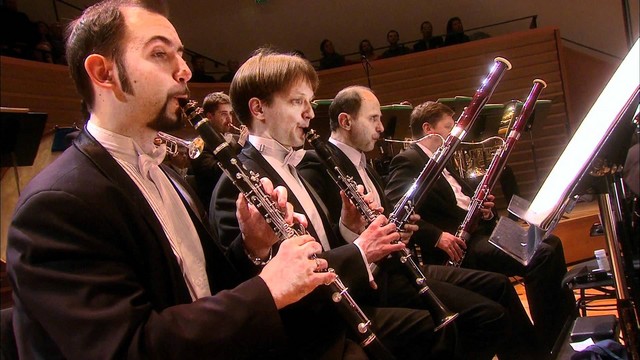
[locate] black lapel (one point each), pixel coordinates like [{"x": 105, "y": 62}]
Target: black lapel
[
  {"x": 250, "y": 152},
  {"x": 96, "y": 153}
]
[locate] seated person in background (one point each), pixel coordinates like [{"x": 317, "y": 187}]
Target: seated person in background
[
  {"x": 298, "y": 53},
  {"x": 232, "y": 66},
  {"x": 205, "y": 169},
  {"x": 455, "y": 32},
  {"x": 355, "y": 122},
  {"x": 394, "y": 49},
  {"x": 199, "y": 71},
  {"x": 443, "y": 210},
  {"x": 366, "y": 50},
  {"x": 428, "y": 41},
  {"x": 330, "y": 58},
  {"x": 272, "y": 94},
  {"x": 107, "y": 259}
]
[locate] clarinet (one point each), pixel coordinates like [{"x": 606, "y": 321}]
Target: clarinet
[
  {"x": 248, "y": 182},
  {"x": 442, "y": 316},
  {"x": 495, "y": 168},
  {"x": 433, "y": 168}
]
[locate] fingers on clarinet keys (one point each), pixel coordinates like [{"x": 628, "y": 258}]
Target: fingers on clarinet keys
[{"x": 321, "y": 265}]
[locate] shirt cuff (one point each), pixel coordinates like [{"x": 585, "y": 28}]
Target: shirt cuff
[
  {"x": 348, "y": 235},
  {"x": 364, "y": 258}
]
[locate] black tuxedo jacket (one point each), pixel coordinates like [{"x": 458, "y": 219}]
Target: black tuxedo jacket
[
  {"x": 438, "y": 206},
  {"x": 315, "y": 173},
  {"x": 94, "y": 275},
  {"x": 344, "y": 258}
]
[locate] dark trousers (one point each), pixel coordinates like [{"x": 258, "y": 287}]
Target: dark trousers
[
  {"x": 491, "y": 318},
  {"x": 550, "y": 301}
]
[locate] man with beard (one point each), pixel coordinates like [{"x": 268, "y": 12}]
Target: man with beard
[
  {"x": 205, "y": 169},
  {"x": 108, "y": 254}
]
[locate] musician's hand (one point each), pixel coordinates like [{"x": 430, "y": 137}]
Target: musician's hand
[
  {"x": 350, "y": 216},
  {"x": 244, "y": 135},
  {"x": 292, "y": 274},
  {"x": 487, "y": 206},
  {"x": 257, "y": 234},
  {"x": 377, "y": 240},
  {"x": 370, "y": 199},
  {"x": 452, "y": 245},
  {"x": 409, "y": 228}
]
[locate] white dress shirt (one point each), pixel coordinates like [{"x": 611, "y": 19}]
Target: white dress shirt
[{"x": 141, "y": 164}]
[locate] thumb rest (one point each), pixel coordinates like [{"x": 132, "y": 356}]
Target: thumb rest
[{"x": 248, "y": 182}]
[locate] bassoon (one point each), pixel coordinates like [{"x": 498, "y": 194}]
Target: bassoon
[
  {"x": 495, "y": 168},
  {"x": 440, "y": 313},
  {"x": 248, "y": 182},
  {"x": 434, "y": 166}
]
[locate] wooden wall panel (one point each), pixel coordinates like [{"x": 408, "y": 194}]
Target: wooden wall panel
[{"x": 417, "y": 77}]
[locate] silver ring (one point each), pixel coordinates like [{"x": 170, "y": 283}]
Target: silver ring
[{"x": 317, "y": 264}]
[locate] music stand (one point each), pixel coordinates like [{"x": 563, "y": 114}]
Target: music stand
[
  {"x": 457, "y": 104},
  {"x": 21, "y": 134},
  {"x": 320, "y": 122},
  {"x": 395, "y": 119}
]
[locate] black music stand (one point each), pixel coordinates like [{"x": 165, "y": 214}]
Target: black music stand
[
  {"x": 457, "y": 104},
  {"x": 395, "y": 119},
  {"x": 320, "y": 122},
  {"x": 21, "y": 134}
]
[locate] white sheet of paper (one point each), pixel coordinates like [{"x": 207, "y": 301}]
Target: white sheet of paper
[{"x": 581, "y": 345}]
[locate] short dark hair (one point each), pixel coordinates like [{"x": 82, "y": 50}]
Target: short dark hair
[
  {"x": 266, "y": 73},
  {"x": 100, "y": 30},
  {"x": 348, "y": 100},
  {"x": 322, "y": 43},
  {"x": 428, "y": 112},
  {"x": 213, "y": 100},
  {"x": 450, "y": 24}
]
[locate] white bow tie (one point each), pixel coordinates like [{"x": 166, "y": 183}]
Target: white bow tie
[
  {"x": 146, "y": 161},
  {"x": 294, "y": 157}
]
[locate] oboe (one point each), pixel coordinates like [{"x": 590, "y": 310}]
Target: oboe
[
  {"x": 248, "y": 182},
  {"x": 441, "y": 314},
  {"x": 495, "y": 168},
  {"x": 433, "y": 168}
]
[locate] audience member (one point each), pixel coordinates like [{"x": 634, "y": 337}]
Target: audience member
[
  {"x": 18, "y": 32},
  {"x": 43, "y": 49},
  {"x": 198, "y": 64},
  {"x": 428, "y": 41},
  {"x": 298, "y": 53},
  {"x": 330, "y": 58},
  {"x": 455, "y": 32},
  {"x": 272, "y": 94},
  {"x": 394, "y": 49},
  {"x": 444, "y": 208},
  {"x": 232, "y": 66},
  {"x": 105, "y": 257},
  {"x": 366, "y": 50},
  {"x": 57, "y": 42}
]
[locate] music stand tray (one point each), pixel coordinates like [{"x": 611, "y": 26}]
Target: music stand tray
[{"x": 514, "y": 240}]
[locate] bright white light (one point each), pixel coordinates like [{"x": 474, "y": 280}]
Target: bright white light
[{"x": 586, "y": 141}]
